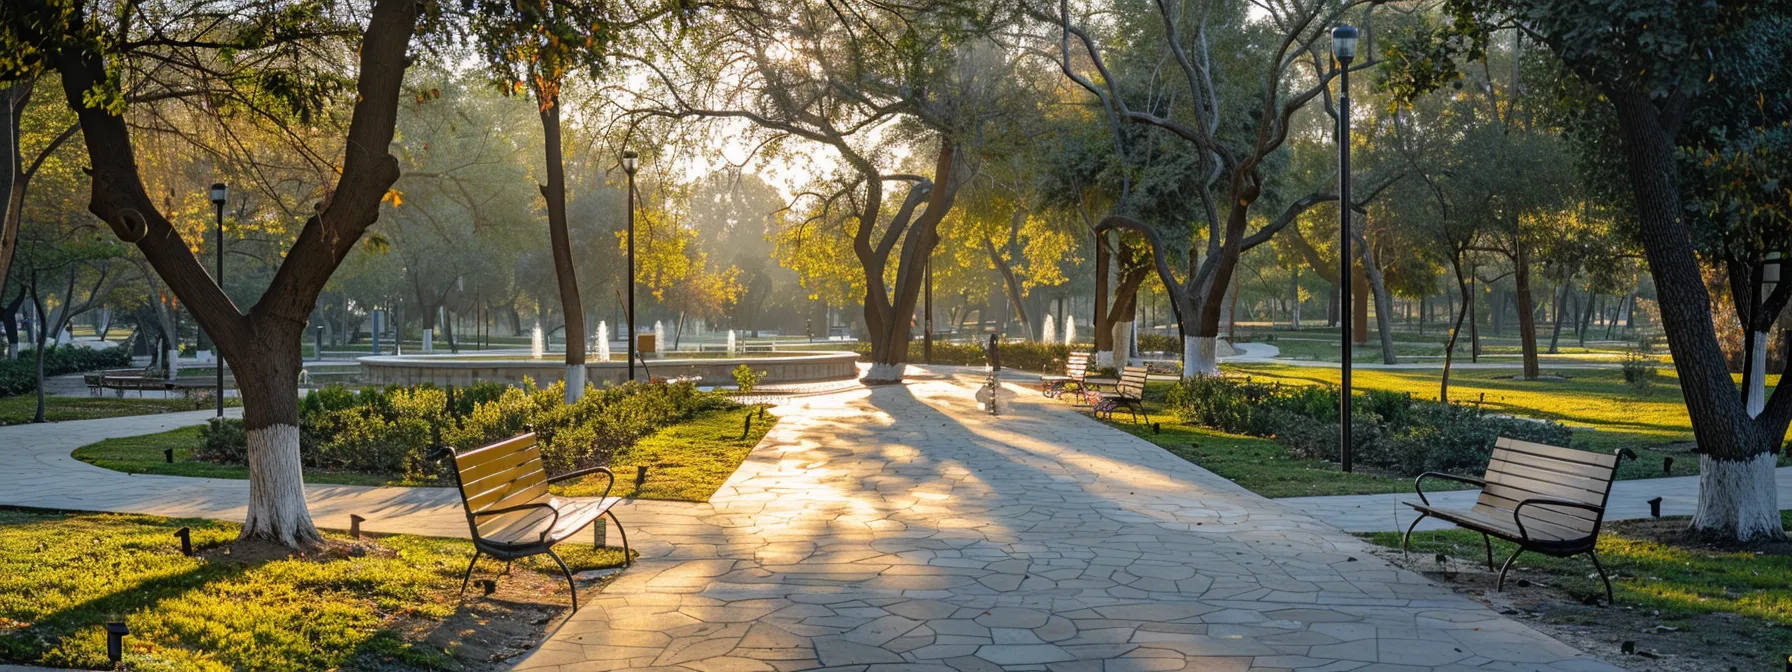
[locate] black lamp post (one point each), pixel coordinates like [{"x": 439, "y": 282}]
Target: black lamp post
[
  {"x": 1344, "y": 50},
  {"x": 220, "y": 193},
  {"x": 630, "y": 162}
]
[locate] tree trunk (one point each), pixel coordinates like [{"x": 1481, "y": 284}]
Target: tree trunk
[
  {"x": 889, "y": 311},
  {"x": 1104, "y": 337},
  {"x": 1555, "y": 332},
  {"x": 1738, "y": 497},
  {"x": 1011, "y": 283},
  {"x": 1383, "y": 311},
  {"x": 1527, "y": 317},
  {"x": 1294, "y": 297},
  {"x": 554, "y": 192},
  {"x": 38, "y": 345},
  {"x": 1463, "y": 286}
]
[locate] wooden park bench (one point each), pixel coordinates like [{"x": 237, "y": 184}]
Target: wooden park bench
[
  {"x": 1546, "y": 499},
  {"x": 122, "y": 380},
  {"x": 1075, "y": 369},
  {"x": 1129, "y": 393},
  {"x": 510, "y": 511}
]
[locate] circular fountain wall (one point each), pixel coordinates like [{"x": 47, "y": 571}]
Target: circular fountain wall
[{"x": 513, "y": 367}]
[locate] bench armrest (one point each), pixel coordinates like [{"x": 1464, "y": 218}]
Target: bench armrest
[
  {"x": 1553, "y": 502},
  {"x": 522, "y": 507},
  {"x": 586, "y": 472},
  {"x": 1418, "y": 483}
]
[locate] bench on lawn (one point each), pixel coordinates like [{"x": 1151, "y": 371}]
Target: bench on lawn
[
  {"x": 1129, "y": 393},
  {"x": 1075, "y": 369},
  {"x": 1546, "y": 499},
  {"x": 510, "y": 511},
  {"x": 121, "y": 380}
]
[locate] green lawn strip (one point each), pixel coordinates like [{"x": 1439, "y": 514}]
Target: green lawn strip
[
  {"x": 1589, "y": 400},
  {"x": 1260, "y": 465},
  {"x": 22, "y": 408},
  {"x": 1646, "y": 574},
  {"x": 64, "y": 575},
  {"x": 685, "y": 462},
  {"x": 143, "y": 455},
  {"x": 1605, "y": 412}
]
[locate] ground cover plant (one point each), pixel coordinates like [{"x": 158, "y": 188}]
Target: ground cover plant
[
  {"x": 1681, "y": 598},
  {"x": 387, "y": 603}
]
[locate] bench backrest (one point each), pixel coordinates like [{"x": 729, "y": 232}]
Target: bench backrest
[
  {"x": 504, "y": 474},
  {"x": 1132, "y": 382},
  {"x": 1521, "y": 470},
  {"x": 1077, "y": 367}
]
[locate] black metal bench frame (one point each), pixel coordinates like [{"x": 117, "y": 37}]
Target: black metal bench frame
[
  {"x": 1475, "y": 520},
  {"x": 1076, "y": 368},
  {"x": 1129, "y": 393}
]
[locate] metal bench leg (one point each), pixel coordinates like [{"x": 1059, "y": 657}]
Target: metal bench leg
[
  {"x": 627, "y": 558},
  {"x": 1408, "y": 536},
  {"x": 570, "y": 586},
  {"x": 1609, "y": 599},
  {"x": 1501, "y": 586},
  {"x": 1488, "y": 542},
  {"x": 469, "y": 576},
  {"x": 1135, "y": 410}
]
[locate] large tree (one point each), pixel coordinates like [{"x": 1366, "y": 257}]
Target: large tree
[
  {"x": 94, "y": 46},
  {"x": 1676, "y": 80}
]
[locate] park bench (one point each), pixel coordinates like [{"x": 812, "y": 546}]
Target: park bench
[
  {"x": 1075, "y": 368},
  {"x": 510, "y": 512},
  {"x": 1546, "y": 499},
  {"x": 1129, "y": 393},
  {"x": 122, "y": 380}
]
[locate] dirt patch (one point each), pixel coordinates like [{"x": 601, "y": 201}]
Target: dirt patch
[
  {"x": 1673, "y": 532},
  {"x": 1641, "y": 640}
]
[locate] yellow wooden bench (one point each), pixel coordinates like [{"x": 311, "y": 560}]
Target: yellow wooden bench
[{"x": 510, "y": 511}]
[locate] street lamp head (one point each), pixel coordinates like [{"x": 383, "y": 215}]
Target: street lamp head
[
  {"x": 630, "y": 161},
  {"x": 220, "y": 193},
  {"x": 1344, "y": 43}
]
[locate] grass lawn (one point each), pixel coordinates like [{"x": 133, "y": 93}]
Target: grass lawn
[
  {"x": 22, "y": 408},
  {"x": 395, "y": 606},
  {"x": 1698, "y": 590},
  {"x": 685, "y": 462},
  {"x": 1604, "y": 412}
]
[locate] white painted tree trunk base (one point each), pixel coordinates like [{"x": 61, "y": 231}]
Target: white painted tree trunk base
[
  {"x": 884, "y": 373},
  {"x": 1757, "y": 383},
  {"x": 1122, "y": 354},
  {"x": 1104, "y": 359},
  {"x": 1739, "y": 499},
  {"x": 277, "y": 489},
  {"x": 1199, "y": 356},
  {"x": 575, "y": 382}
]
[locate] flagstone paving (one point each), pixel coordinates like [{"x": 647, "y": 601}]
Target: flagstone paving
[{"x": 902, "y": 528}]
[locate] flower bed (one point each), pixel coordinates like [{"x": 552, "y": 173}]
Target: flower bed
[
  {"x": 393, "y": 432},
  {"x": 1391, "y": 431}
]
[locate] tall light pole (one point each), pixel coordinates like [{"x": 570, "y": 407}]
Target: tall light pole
[
  {"x": 927, "y": 322},
  {"x": 1344, "y": 50},
  {"x": 220, "y": 193},
  {"x": 630, "y": 162}
]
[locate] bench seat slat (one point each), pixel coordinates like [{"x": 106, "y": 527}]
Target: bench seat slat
[
  {"x": 1558, "y": 516},
  {"x": 1502, "y": 465},
  {"x": 1544, "y": 488},
  {"x": 1502, "y": 526},
  {"x": 1574, "y": 455}
]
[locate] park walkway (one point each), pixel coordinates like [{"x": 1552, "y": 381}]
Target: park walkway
[{"x": 902, "y": 528}]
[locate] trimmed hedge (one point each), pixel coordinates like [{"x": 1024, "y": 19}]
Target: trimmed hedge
[
  {"x": 393, "y": 431},
  {"x": 1391, "y": 431},
  {"x": 19, "y": 376},
  {"x": 1023, "y": 355}
]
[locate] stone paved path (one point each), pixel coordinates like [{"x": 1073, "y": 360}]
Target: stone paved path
[{"x": 901, "y": 528}]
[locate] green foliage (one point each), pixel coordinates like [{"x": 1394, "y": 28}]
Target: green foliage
[
  {"x": 1160, "y": 343},
  {"x": 1392, "y": 431},
  {"x": 746, "y": 378},
  {"x": 63, "y": 576},
  {"x": 393, "y": 432},
  {"x": 1640, "y": 369},
  {"x": 19, "y": 376}
]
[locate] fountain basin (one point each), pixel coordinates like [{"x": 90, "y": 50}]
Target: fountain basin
[{"x": 513, "y": 367}]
